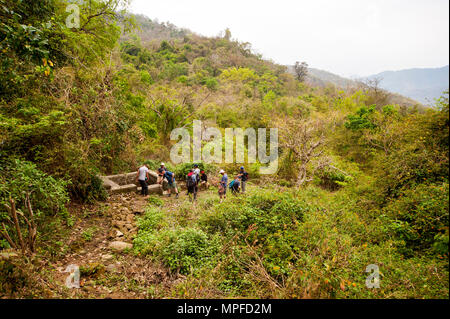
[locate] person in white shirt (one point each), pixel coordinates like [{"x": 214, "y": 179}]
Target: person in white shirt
[
  {"x": 197, "y": 173},
  {"x": 143, "y": 176}
]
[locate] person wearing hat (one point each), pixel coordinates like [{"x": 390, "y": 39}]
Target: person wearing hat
[
  {"x": 204, "y": 180},
  {"x": 243, "y": 176},
  {"x": 161, "y": 172},
  {"x": 223, "y": 185}
]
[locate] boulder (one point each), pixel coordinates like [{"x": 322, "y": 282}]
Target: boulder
[{"x": 120, "y": 245}]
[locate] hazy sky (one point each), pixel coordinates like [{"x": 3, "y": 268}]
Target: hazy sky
[{"x": 346, "y": 37}]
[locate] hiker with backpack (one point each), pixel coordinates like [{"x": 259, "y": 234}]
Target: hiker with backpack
[
  {"x": 223, "y": 185},
  {"x": 143, "y": 176},
  {"x": 204, "y": 180},
  {"x": 191, "y": 183},
  {"x": 243, "y": 176},
  {"x": 235, "y": 186},
  {"x": 172, "y": 183}
]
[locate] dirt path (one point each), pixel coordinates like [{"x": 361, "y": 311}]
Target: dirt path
[{"x": 107, "y": 272}]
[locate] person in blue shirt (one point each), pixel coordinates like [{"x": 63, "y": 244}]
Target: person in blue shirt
[
  {"x": 243, "y": 176},
  {"x": 223, "y": 185},
  {"x": 172, "y": 183},
  {"x": 235, "y": 186}
]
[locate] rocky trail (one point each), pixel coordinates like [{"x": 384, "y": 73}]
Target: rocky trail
[{"x": 100, "y": 245}]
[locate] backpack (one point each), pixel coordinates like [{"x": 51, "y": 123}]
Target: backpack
[
  {"x": 169, "y": 176},
  {"x": 231, "y": 184},
  {"x": 191, "y": 181}
]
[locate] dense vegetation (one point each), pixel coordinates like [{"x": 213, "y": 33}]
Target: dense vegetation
[{"x": 361, "y": 180}]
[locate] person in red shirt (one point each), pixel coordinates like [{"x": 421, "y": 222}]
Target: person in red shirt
[{"x": 204, "y": 180}]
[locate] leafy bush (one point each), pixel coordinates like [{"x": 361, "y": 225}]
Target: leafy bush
[
  {"x": 152, "y": 218},
  {"x": 153, "y": 164},
  {"x": 361, "y": 120},
  {"x": 211, "y": 83},
  {"x": 333, "y": 179},
  {"x": 48, "y": 195},
  {"x": 265, "y": 211},
  {"x": 187, "y": 249},
  {"x": 181, "y": 249},
  {"x": 419, "y": 215},
  {"x": 87, "y": 186}
]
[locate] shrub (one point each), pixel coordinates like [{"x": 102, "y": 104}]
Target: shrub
[
  {"x": 186, "y": 249},
  {"x": 48, "y": 195},
  {"x": 183, "y": 250},
  {"x": 265, "y": 211},
  {"x": 87, "y": 186},
  {"x": 211, "y": 83},
  {"x": 419, "y": 215},
  {"x": 333, "y": 179},
  {"x": 152, "y": 218}
]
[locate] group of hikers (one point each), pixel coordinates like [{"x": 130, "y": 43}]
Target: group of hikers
[{"x": 196, "y": 179}]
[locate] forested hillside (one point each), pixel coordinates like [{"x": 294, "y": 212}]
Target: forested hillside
[{"x": 361, "y": 180}]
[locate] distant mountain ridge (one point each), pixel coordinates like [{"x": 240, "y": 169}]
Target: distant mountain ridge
[
  {"x": 423, "y": 85},
  {"x": 317, "y": 77}
]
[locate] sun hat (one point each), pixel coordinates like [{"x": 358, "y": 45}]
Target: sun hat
[{"x": 221, "y": 171}]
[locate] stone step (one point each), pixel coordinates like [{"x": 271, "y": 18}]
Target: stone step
[
  {"x": 126, "y": 183},
  {"x": 123, "y": 189},
  {"x": 153, "y": 189}
]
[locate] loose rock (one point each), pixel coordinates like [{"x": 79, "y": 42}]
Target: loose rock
[{"x": 120, "y": 245}]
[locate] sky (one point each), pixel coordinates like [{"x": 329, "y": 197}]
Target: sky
[{"x": 347, "y": 37}]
